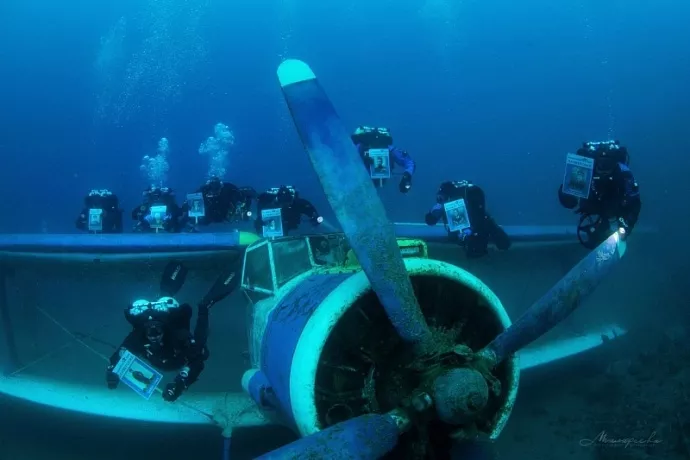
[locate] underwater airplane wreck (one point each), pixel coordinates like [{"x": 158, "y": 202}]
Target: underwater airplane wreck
[{"x": 358, "y": 341}]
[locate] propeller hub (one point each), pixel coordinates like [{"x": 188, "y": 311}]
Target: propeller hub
[{"x": 460, "y": 395}]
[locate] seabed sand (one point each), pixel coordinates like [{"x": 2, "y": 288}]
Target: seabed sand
[
  {"x": 639, "y": 393},
  {"x": 26, "y": 434}
]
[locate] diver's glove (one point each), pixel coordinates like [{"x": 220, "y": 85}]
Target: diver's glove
[
  {"x": 246, "y": 213},
  {"x": 623, "y": 226},
  {"x": 111, "y": 377},
  {"x": 174, "y": 390},
  {"x": 465, "y": 233},
  {"x": 405, "y": 183}
]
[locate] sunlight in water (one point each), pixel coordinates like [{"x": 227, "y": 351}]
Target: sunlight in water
[
  {"x": 444, "y": 17},
  {"x": 110, "y": 58},
  {"x": 152, "y": 71},
  {"x": 598, "y": 40}
]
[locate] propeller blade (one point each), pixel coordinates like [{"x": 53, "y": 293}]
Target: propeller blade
[
  {"x": 369, "y": 436},
  {"x": 559, "y": 302},
  {"x": 352, "y": 196}
]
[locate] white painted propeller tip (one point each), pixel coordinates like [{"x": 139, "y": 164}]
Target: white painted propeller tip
[{"x": 293, "y": 71}]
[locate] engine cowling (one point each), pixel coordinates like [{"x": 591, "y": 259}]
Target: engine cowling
[{"x": 324, "y": 351}]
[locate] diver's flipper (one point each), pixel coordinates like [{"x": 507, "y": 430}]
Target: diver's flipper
[
  {"x": 173, "y": 278},
  {"x": 227, "y": 282},
  {"x": 498, "y": 235}
]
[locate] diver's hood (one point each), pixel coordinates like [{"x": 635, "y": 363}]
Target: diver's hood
[
  {"x": 605, "y": 166},
  {"x": 445, "y": 190},
  {"x": 158, "y": 194},
  {"x": 213, "y": 187}
]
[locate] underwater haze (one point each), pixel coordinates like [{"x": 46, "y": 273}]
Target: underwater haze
[{"x": 496, "y": 92}]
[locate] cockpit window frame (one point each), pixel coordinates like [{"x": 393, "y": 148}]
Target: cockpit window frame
[{"x": 271, "y": 262}]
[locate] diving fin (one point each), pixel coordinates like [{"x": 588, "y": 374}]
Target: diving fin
[
  {"x": 173, "y": 278},
  {"x": 227, "y": 282}
]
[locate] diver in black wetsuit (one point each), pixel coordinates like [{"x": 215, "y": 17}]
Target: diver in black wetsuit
[
  {"x": 158, "y": 210},
  {"x": 482, "y": 228},
  {"x": 101, "y": 210},
  {"x": 369, "y": 139},
  {"x": 613, "y": 199},
  {"x": 292, "y": 207},
  {"x": 161, "y": 330},
  {"x": 224, "y": 202}
]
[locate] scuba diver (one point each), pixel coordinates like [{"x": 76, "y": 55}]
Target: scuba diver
[
  {"x": 288, "y": 205},
  {"x": 375, "y": 146},
  {"x": 101, "y": 213},
  {"x": 158, "y": 211},
  {"x": 223, "y": 202},
  {"x": 599, "y": 185},
  {"x": 161, "y": 330},
  {"x": 461, "y": 206}
]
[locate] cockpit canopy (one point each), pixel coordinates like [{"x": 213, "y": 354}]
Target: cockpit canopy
[{"x": 269, "y": 264}]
